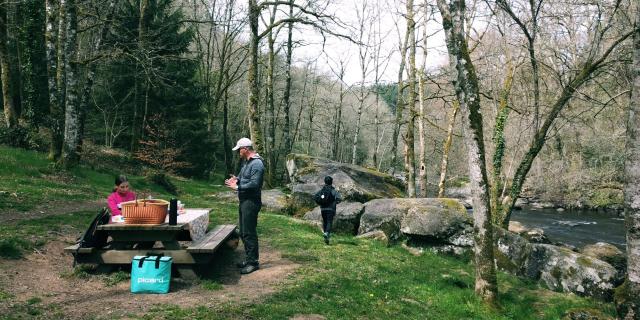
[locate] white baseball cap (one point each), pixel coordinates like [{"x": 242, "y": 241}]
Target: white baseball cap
[{"x": 243, "y": 142}]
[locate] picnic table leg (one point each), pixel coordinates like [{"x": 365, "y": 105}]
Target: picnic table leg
[{"x": 186, "y": 272}]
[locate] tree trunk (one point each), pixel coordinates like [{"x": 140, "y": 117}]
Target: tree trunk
[
  {"x": 137, "y": 124},
  {"x": 467, "y": 92},
  {"x": 10, "y": 114},
  {"x": 584, "y": 72},
  {"x": 252, "y": 78},
  {"x": 70, "y": 156},
  {"x": 228, "y": 158},
  {"x": 286, "y": 128},
  {"x": 446, "y": 148},
  {"x": 500, "y": 144},
  {"x": 627, "y": 302},
  {"x": 338, "y": 116},
  {"x": 270, "y": 145},
  {"x": 410, "y": 158},
  {"x": 422, "y": 171},
  {"x": 51, "y": 35},
  {"x": 399, "y": 102}
]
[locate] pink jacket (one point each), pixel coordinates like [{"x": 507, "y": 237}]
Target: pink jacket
[{"x": 116, "y": 198}]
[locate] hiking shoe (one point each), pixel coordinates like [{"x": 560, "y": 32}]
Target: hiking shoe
[
  {"x": 242, "y": 264},
  {"x": 326, "y": 238},
  {"x": 249, "y": 268}
]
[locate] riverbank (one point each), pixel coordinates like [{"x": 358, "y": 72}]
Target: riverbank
[{"x": 350, "y": 279}]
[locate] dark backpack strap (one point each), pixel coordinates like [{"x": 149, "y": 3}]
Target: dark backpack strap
[{"x": 141, "y": 262}]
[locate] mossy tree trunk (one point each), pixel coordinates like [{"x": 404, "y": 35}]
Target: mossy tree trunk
[
  {"x": 500, "y": 144},
  {"x": 627, "y": 301},
  {"x": 10, "y": 112},
  {"x": 252, "y": 77},
  {"x": 467, "y": 92}
]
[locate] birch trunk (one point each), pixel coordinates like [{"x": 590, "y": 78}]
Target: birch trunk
[
  {"x": 422, "y": 171},
  {"x": 410, "y": 157},
  {"x": 446, "y": 149},
  {"x": 10, "y": 114},
  {"x": 467, "y": 92},
  {"x": 55, "y": 110},
  {"x": 70, "y": 155},
  {"x": 627, "y": 302}
]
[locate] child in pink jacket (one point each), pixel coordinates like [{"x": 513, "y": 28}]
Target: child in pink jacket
[{"x": 120, "y": 194}]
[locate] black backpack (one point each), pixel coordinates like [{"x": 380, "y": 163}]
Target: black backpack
[
  {"x": 92, "y": 238},
  {"x": 324, "y": 197}
]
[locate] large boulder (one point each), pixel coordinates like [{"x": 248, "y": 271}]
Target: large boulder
[
  {"x": 355, "y": 183},
  {"x": 607, "y": 253},
  {"x": 561, "y": 269},
  {"x": 346, "y": 220},
  {"x": 275, "y": 200},
  {"x": 435, "y": 221},
  {"x": 511, "y": 250},
  {"x": 272, "y": 200},
  {"x": 387, "y": 215}
]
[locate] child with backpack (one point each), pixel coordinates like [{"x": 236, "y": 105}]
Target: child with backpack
[{"x": 327, "y": 198}]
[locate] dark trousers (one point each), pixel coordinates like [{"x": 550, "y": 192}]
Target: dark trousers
[
  {"x": 327, "y": 220},
  {"x": 248, "y": 221}
]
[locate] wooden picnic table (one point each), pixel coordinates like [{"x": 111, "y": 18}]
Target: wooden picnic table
[{"x": 126, "y": 239}]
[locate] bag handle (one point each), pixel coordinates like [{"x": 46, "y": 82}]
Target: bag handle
[
  {"x": 149, "y": 255},
  {"x": 141, "y": 262}
]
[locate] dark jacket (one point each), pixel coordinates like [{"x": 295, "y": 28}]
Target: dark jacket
[
  {"x": 336, "y": 199},
  {"x": 250, "y": 179}
]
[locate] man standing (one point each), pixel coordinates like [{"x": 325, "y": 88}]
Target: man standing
[{"x": 248, "y": 184}]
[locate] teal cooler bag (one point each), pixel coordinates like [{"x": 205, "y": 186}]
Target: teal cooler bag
[{"x": 150, "y": 274}]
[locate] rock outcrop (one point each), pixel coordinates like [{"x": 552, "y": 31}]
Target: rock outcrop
[
  {"x": 346, "y": 220},
  {"x": 426, "y": 217},
  {"x": 355, "y": 183}
]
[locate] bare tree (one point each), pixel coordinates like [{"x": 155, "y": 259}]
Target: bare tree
[
  {"x": 365, "y": 23},
  {"x": 409, "y": 139},
  {"x": 467, "y": 92},
  {"x": 400, "y": 99},
  {"x": 309, "y": 16},
  {"x": 570, "y": 78}
]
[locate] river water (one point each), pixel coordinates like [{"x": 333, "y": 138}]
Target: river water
[{"x": 577, "y": 228}]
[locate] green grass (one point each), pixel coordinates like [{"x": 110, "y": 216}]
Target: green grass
[{"x": 350, "y": 279}]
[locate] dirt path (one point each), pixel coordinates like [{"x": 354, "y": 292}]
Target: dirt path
[
  {"x": 45, "y": 275},
  {"x": 52, "y": 208}
]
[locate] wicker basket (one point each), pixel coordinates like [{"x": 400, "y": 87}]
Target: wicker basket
[{"x": 152, "y": 211}]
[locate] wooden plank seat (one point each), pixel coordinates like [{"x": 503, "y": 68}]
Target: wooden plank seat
[
  {"x": 74, "y": 248},
  {"x": 213, "y": 239}
]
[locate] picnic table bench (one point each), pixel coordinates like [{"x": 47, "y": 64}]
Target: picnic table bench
[{"x": 191, "y": 226}]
